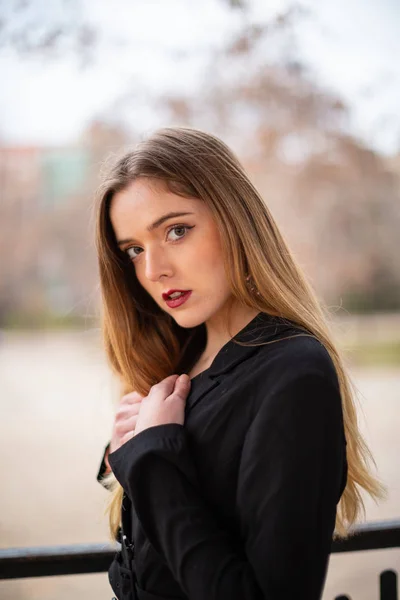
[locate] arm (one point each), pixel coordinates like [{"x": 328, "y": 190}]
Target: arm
[
  {"x": 123, "y": 429},
  {"x": 288, "y": 488}
]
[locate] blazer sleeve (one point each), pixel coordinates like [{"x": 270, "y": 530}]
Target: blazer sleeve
[{"x": 288, "y": 487}]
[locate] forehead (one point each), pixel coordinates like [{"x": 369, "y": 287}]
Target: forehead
[{"x": 144, "y": 199}]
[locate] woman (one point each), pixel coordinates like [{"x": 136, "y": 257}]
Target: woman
[{"x": 234, "y": 477}]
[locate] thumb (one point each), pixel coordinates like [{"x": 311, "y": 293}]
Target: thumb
[
  {"x": 168, "y": 383},
  {"x": 182, "y": 385}
]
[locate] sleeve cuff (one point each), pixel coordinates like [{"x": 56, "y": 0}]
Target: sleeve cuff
[{"x": 166, "y": 441}]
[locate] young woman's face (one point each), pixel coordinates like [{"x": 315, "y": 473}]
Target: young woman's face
[{"x": 177, "y": 253}]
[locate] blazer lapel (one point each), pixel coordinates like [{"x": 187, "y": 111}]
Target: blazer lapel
[
  {"x": 258, "y": 331},
  {"x": 200, "y": 386}
]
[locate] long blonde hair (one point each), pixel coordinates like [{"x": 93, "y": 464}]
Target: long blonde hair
[{"x": 144, "y": 344}]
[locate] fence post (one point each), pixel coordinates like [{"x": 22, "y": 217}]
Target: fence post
[{"x": 388, "y": 585}]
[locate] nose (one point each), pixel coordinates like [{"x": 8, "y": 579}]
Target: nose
[{"x": 157, "y": 264}]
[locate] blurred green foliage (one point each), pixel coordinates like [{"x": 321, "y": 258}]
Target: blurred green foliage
[{"x": 374, "y": 354}]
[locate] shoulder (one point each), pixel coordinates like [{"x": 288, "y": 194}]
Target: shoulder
[
  {"x": 293, "y": 356},
  {"x": 294, "y": 378}
]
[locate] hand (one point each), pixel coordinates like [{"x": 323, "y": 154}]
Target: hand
[
  {"x": 165, "y": 403},
  {"x": 125, "y": 420}
]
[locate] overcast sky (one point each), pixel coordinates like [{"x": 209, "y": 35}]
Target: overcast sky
[{"x": 352, "y": 46}]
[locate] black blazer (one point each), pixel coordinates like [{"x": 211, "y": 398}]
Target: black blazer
[{"x": 239, "y": 503}]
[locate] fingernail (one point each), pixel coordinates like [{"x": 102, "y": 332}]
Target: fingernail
[{"x": 184, "y": 378}]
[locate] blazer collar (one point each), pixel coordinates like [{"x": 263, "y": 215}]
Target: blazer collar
[{"x": 261, "y": 329}]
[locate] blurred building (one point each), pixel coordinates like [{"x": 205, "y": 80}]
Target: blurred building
[{"x": 38, "y": 191}]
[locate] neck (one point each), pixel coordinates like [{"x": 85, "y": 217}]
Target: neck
[{"x": 219, "y": 331}]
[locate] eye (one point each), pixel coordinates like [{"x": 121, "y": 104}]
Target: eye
[
  {"x": 130, "y": 251},
  {"x": 178, "y": 228},
  {"x": 180, "y": 232}
]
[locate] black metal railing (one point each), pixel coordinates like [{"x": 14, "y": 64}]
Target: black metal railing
[{"x": 18, "y": 563}]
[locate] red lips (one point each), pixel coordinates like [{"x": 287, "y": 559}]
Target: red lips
[{"x": 166, "y": 295}]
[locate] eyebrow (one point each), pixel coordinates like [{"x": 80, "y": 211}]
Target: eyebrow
[{"x": 157, "y": 223}]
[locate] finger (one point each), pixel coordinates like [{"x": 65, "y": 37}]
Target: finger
[
  {"x": 124, "y": 427},
  {"x": 126, "y": 411},
  {"x": 166, "y": 385},
  {"x": 182, "y": 387},
  {"x": 131, "y": 398},
  {"x": 170, "y": 379},
  {"x": 128, "y": 436},
  {"x": 183, "y": 381}
]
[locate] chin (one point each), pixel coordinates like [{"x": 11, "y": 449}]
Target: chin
[
  {"x": 188, "y": 321},
  {"x": 193, "y": 316}
]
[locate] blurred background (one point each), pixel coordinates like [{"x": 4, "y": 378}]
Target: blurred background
[{"x": 308, "y": 95}]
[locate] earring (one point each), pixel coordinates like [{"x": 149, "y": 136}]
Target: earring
[{"x": 251, "y": 285}]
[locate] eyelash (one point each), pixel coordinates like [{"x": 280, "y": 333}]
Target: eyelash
[{"x": 187, "y": 227}]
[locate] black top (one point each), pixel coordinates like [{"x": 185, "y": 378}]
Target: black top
[{"x": 239, "y": 503}]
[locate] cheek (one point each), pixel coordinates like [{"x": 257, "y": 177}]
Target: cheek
[
  {"x": 200, "y": 260},
  {"x": 138, "y": 270},
  {"x": 206, "y": 257}
]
